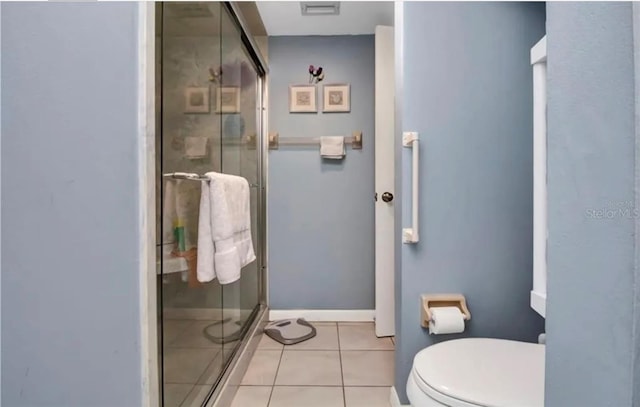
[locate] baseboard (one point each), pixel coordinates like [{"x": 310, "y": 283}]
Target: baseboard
[
  {"x": 395, "y": 400},
  {"x": 320, "y": 315}
]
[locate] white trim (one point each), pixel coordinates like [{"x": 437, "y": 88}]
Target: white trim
[
  {"x": 265, "y": 170},
  {"x": 539, "y": 51},
  {"x": 0, "y": 200},
  {"x": 394, "y": 399},
  {"x": 265, "y": 179},
  {"x": 146, "y": 205},
  {"x": 320, "y": 315},
  {"x": 539, "y": 303},
  {"x": 540, "y": 223}
]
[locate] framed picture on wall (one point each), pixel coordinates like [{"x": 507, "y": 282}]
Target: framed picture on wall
[
  {"x": 196, "y": 100},
  {"x": 302, "y": 99},
  {"x": 228, "y": 99},
  {"x": 337, "y": 98}
]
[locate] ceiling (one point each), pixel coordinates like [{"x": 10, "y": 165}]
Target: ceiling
[{"x": 356, "y": 17}]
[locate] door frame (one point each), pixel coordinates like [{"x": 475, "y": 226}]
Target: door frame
[{"x": 145, "y": 145}]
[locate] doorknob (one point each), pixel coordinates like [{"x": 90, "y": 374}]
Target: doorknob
[{"x": 387, "y": 197}]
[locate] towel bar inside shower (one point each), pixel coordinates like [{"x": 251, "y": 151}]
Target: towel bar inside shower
[
  {"x": 275, "y": 141},
  {"x": 194, "y": 177}
]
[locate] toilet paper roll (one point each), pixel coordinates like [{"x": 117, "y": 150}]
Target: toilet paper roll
[{"x": 446, "y": 320}]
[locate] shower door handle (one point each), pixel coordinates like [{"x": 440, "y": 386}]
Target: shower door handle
[{"x": 410, "y": 140}]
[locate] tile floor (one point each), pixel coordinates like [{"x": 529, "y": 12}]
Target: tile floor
[
  {"x": 345, "y": 365},
  {"x": 191, "y": 362}
]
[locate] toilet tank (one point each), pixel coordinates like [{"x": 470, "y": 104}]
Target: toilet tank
[{"x": 540, "y": 230}]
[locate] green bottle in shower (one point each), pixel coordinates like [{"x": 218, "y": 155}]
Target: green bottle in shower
[{"x": 178, "y": 232}]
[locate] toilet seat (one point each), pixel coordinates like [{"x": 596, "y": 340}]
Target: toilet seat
[{"x": 480, "y": 372}]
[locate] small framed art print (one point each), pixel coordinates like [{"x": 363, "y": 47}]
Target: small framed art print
[
  {"x": 337, "y": 98},
  {"x": 196, "y": 100},
  {"x": 228, "y": 99},
  {"x": 302, "y": 99}
]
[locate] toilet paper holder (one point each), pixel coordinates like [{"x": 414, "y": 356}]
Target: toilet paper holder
[{"x": 442, "y": 300}]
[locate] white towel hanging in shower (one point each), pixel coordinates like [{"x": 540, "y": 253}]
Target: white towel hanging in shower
[{"x": 224, "y": 228}]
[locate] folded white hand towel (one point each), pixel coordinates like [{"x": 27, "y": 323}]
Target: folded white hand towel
[
  {"x": 224, "y": 235},
  {"x": 195, "y": 147},
  {"x": 332, "y": 147}
]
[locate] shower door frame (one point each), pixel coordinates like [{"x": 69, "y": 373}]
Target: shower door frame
[
  {"x": 234, "y": 368},
  {"x": 146, "y": 154},
  {"x": 150, "y": 334}
]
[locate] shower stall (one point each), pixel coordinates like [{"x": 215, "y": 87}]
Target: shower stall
[{"x": 209, "y": 104}]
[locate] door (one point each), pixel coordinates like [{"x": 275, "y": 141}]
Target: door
[{"x": 384, "y": 174}]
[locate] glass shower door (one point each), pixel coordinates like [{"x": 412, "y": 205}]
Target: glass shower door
[
  {"x": 208, "y": 120},
  {"x": 238, "y": 105},
  {"x": 190, "y": 142}
]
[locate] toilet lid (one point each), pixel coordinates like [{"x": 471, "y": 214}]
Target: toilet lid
[{"x": 484, "y": 372}]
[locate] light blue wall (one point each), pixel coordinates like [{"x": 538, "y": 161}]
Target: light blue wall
[
  {"x": 70, "y": 302},
  {"x": 636, "y": 305},
  {"x": 0, "y": 205},
  {"x": 592, "y": 142},
  {"x": 321, "y": 217},
  {"x": 467, "y": 89}
]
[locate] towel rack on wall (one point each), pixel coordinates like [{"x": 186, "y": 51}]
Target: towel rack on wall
[
  {"x": 194, "y": 177},
  {"x": 275, "y": 141}
]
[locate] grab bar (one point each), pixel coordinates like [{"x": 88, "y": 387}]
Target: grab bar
[{"x": 410, "y": 140}]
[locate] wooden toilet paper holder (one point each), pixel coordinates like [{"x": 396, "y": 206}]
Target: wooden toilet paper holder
[{"x": 442, "y": 300}]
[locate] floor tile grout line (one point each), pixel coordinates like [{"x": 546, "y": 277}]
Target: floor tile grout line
[
  {"x": 344, "y": 396},
  {"x": 312, "y": 385},
  {"x": 181, "y": 334},
  {"x": 215, "y": 357},
  {"x": 186, "y": 396},
  {"x": 275, "y": 377}
]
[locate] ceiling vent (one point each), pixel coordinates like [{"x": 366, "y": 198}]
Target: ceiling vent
[{"x": 320, "y": 8}]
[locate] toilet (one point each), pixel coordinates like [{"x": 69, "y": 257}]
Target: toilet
[{"x": 474, "y": 372}]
